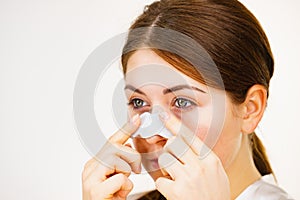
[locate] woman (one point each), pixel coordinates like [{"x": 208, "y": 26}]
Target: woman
[{"x": 167, "y": 39}]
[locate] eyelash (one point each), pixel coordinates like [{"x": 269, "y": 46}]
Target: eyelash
[{"x": 133, "y": 103}]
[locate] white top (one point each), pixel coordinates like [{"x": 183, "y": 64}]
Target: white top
[{"x": 261, "y": 189}]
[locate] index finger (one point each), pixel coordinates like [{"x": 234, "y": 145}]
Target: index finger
[
  {"x": 177, "y": 128},
  {"x": 124, "y": 133}
]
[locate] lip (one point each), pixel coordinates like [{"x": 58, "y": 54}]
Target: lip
[{"x": 154, "y": 163}]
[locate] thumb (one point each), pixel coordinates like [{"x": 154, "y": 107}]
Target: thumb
[{"x": 125, "y": 188}]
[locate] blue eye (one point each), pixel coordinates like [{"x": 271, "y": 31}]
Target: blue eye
[
  {"x": 183, "y": 103},
  {"x": 137, "y": 103}
]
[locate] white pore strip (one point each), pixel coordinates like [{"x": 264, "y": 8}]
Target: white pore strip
[{"x": 151, "y": 125}]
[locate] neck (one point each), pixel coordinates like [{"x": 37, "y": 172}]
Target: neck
[{"x": 241, "y": 174}]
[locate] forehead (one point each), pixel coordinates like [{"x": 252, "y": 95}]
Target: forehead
[
  {"x": 145, "y": 66},
  {"x": 145, "y": 57}
]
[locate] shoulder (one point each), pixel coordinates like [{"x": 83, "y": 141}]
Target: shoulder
[{"x": 263, "y": 190}]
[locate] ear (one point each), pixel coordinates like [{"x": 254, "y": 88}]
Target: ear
[{"x": 253, "y": 108}]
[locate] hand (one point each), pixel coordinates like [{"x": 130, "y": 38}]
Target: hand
[
  {"x": 106, "y": 175},
  {"x": 190, "y": 176}
]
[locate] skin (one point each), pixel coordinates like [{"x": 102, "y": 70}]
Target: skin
[{"x": 223, "y": 174}]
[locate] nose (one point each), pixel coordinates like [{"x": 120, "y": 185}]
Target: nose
[
  {"x": 156, "y": 139},
  {"x": 157, "y": 108}
]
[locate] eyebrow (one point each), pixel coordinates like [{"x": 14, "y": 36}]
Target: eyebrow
[
  {"x": 167, "y": 90},
  {"x": 130, "y": 87},
  {"x": 181, "y": 87}
]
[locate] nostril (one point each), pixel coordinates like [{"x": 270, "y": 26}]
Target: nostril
[{"x": 156, "y": 139}]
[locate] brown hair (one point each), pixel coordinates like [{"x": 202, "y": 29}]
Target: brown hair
[{"x": 229, "y": 33}]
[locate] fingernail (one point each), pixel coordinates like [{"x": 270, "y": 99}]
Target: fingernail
[
  {"x": 164, "y": 116},
  {"x": 134, "y": 119}
]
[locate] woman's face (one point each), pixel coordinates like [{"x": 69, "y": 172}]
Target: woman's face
[{"x": 166, "y": 89}]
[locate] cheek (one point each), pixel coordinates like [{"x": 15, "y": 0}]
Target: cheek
[
  {"x": 230, "y": 140},
  {"x": 226, "y": 143},
  {"x": 198, "y": 121},
  {"x": 227, "y": 149}
]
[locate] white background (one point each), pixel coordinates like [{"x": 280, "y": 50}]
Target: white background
[{"x": 42, "y": 47}]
